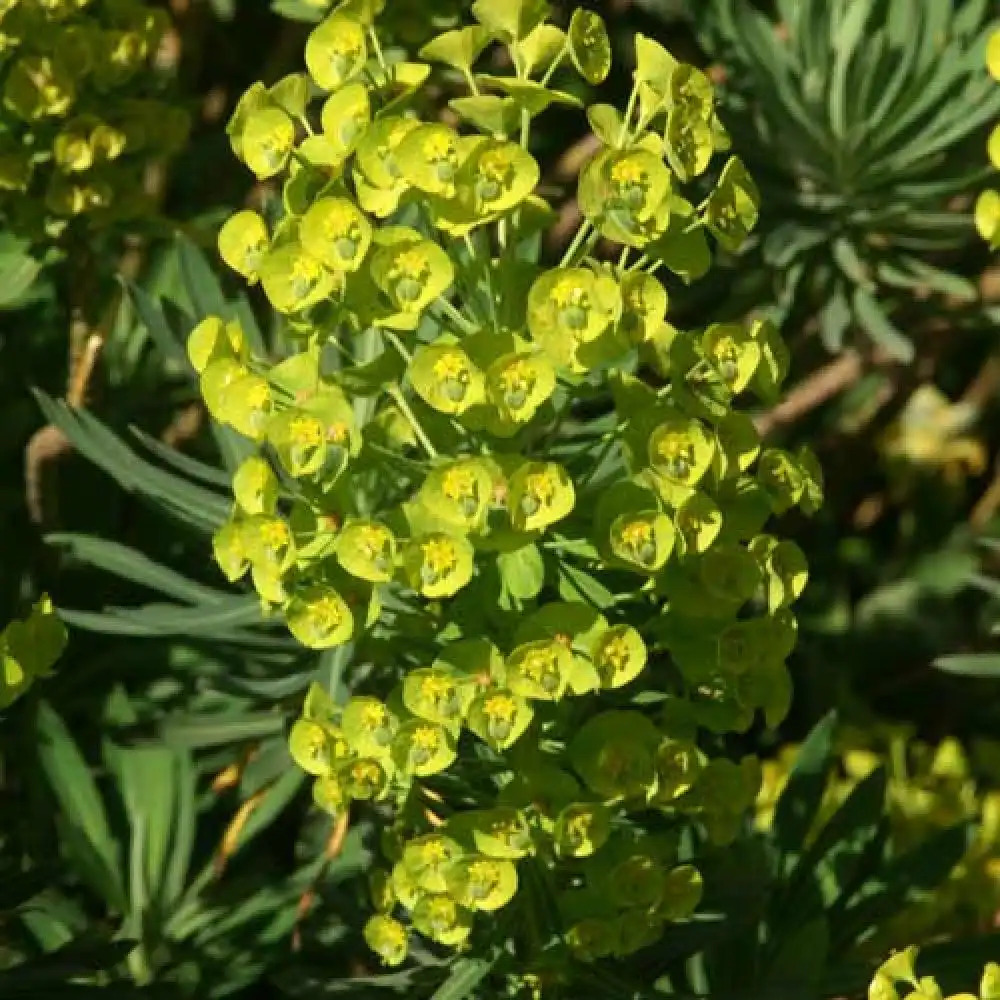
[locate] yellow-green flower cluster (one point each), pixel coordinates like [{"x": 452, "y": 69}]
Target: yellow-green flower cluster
[
  {"x": 426, "y": 486},
  {"x": 29, "y": 650},
  {"x": 896, "y": 979},
  {"x": 929, "y": 788},
  {"x": 80, "y": 114},
  {"x": 988, "y": 203}
]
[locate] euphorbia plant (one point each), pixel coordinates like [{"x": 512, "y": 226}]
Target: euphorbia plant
[{"x": 529, "y": 503}]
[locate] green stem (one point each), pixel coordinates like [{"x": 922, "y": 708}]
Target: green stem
[
  {"x": 623, "y": 133},
  {"x": 581, "y": 234},
  {"x": 398, "y": 344},
  {"x": 411, "y": 418},
  {"x": 464, "y": 324}
]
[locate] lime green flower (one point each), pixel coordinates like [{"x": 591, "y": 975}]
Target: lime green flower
[
  {"x": 539, "y": 669},
  {"x": 732, "y": 206},
  {"x": 243, "y": 242},
  {"x": 367, "y": 550},
  {"x": 387, "y": 938},
  {"x": 499, "y": 718},
  {"x": 540, "y": 494},
  {"x": 255, "y": 486},
  {"x": 429, "y": 157},
  {"x": 438, "y": 564},
  {"x": 436, "y": 695},
  {"x": 423, "y": 748},
  {"x": 364, "y": 778},
  {"x": 446, "y": 379},
  {"x": 678, "y": 764},
  {"x": 624, "y": 193},
  {"x": 481, "y": 883},
  {"x": 335, "y": 52},
  {"x": 644, "y": 306},
  {"x": 681, "y": 450},
  {"x": 733, "y": 352},
  {"x": 987, "y": 217},
  {"x": 496, "y": 833},
  {"x": 368, "y": 726},
  {"x": 614, "y": 753},
  {"x": 619, "y": 656},
  {"x": 345, "y": 116},
  {"x": 229, "y": 550},
  {"x": 336, "y": 233},
  {"x": 29, "y": 648},
  {"x": 427, "y": 861},
  {"x": 573, "y": 304},
  {"x": 644, "y": 539},
  {"x": 458, "y": 493},
  {"x": 36, "y": 87},
  {"x": 441, "y": 919},
  {"x": 378, "y": 178},
  {"x": 581, "y": 829},
  {"x": 496, "y": 176},
  {"x": 212, "y": 340},
  {"x": 319, "y": 617},
  {"x": 518, "y": 384},
  {"x": 313, "y": 747},
  {"x": 411, "y": 271},
  {"x": 294, "y": 279}
]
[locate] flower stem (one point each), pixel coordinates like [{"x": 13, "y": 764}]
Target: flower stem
[
  {"x": 411, "y": 418},
  {"x": 571, "y": 251},
  {"x": 464, "y": 324}
]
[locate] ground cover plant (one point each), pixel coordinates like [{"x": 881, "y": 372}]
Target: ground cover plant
[{"x": 442, "y": 648}]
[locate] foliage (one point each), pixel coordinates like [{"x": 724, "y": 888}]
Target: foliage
[{"x": 856, "y": 118}]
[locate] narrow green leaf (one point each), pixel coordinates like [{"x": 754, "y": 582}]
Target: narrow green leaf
[
  {"x": 466, "y": 974},
  {"x": 80, "y": 803},
  {"x": 797, "y": 806},
  {"x": 132, "y": 565},
  {"x": 879, "y": 327}
]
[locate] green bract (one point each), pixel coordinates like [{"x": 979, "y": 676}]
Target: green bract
[
  {"x": 466, "y": 448},
  {"x": 29, "y": 649}
]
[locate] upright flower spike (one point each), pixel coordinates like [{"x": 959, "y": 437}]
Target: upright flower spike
[
  {"x": 336, "y": 52},
  {"x": 463, "y": 443}
]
